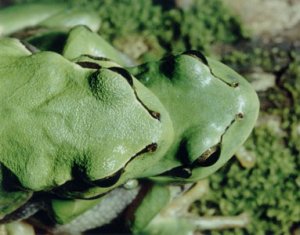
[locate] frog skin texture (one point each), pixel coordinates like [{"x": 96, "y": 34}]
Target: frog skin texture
[{"x": 82, "y": 122}]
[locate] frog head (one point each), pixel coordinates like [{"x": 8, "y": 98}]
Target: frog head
[
  {"x": 213, "y": 110},
  {"x": 69, "y": 122}
]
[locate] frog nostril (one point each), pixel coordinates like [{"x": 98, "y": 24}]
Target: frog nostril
[
  {"x": 239, "y": 116},
  {"x": 151, "y": 148},
  {"x": 234, "y": 84},
  {"x": 209, "y": 157},
  {"x": 155, "y": 115}
]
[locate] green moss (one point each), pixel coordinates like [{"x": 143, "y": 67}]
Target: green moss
[
  {"x": 162, "y": 30},
  {"x": 175, "y": 30}
]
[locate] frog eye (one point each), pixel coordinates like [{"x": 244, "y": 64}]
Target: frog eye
[{"x": 209, "y": 157}]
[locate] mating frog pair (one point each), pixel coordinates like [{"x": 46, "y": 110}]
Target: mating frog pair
[{"x": 79, "y": 121}]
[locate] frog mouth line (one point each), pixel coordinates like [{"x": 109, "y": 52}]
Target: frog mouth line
[
  {"x": 83, "y": 185},
  {"x": 207, "y": 159},
  {"x": 112, "y": 179}
]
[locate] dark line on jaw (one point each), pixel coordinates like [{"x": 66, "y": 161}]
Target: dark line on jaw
[
  {"x": 88, "y": 64},
  {"x": 239, "y": 116},
  {"x": 87, "y": 28},
  {"x": 150, "y": 148},
  {"x": 185, "y": 170},
  {"x": 218, "y": 146},
  {"x": 198, "y": 55},
  {"x": 105, "y": 182},
  {"x": 97, "y": 57},
  {"x": 228, "y": 126},
  {"x": 78, "y": 193},
  {"x": 155, "y": 115},
  {"x": 124, "y": 73}
]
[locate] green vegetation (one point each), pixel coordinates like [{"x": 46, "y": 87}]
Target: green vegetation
[{"x": 147, "y": 31}]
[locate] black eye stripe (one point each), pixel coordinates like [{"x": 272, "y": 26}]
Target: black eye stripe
[
  {"x": 198, "y": 55},
  {"x": 114, "y": 178},
  {"x": 124, "y": 73},
  {"x": 88, "y": 64},
  {"x": 110, "y": 180},
  {"x": 180, "y": 171},
  {"x": 96, "y": 57}
]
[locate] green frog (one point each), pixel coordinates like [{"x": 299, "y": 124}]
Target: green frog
[{"x": 84, "y": 127}]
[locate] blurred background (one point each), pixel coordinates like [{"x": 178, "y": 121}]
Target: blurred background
[{"x": 261, "y": 40}]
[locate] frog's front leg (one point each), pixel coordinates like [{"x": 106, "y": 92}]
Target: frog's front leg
[
  {"x": 48, "y": 16},
  {"x": 165, "y": 210}
]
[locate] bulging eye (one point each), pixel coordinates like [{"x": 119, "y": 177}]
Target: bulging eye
[{"x": 209, "y": 157}]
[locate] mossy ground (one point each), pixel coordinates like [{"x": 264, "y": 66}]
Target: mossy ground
[{"x": 269, "y": 191}]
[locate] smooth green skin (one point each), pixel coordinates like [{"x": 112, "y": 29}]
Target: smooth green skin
[
  {"x": 156, "y": 198},
  {"x": 69, "y": 18},
  {"x": 61, "y": 119},
  {"x": 18, "y": 17},
  {"x": 201, "y": 94},
  {"x": 83, "y": 41},
  {"x": 65, "y": 211}
]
